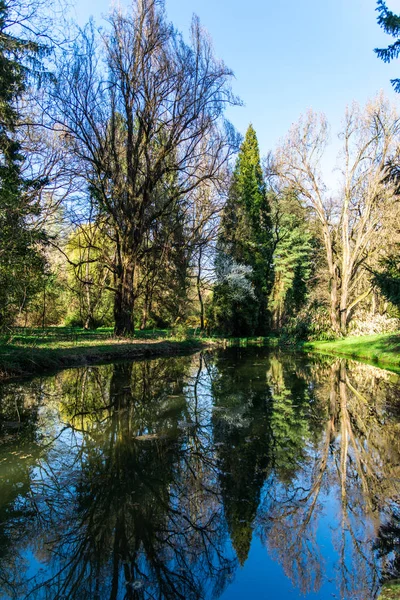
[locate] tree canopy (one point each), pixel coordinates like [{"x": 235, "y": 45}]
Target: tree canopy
[
  {"x": 21, "y": 263},
  {"x": 390, "y": 23}
]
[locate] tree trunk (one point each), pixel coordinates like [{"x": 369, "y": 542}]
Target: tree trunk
[
  {"x": 373, "y": 303},
  {"x": 334, "y": 303},
  {"x": 124, "y": 300},
  {"x": 147, "y": 304},
  {"x": 44, "y": 307},
  {"x": 333, "y": 277},
  {"x": 143, "y": 323},
  {"x": 89, "y": 322},
  {"x": 89, "y": 319},
  {"x": 200, "y": 295},
  {"x": 343, "y": 308},
  {"x": 346, "y": 265}
]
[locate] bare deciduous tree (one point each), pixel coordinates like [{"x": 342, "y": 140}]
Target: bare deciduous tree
[
  {"x": 142, "y": 113},
  {"x": 352, "y": 221}
]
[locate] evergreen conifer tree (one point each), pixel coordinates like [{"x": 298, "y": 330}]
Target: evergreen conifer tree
[
  {"x": 293, "y": 259},
  {"x": 246, "y": 226},
  {"x": 20, "y": 262},
  {"x": 390, "y": 23}
]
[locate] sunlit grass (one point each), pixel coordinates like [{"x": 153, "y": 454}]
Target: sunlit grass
[
  {"x": 54, "y": 337},
  {"x": 379, "y": 349},
  {"x": 27, "y": 351}
]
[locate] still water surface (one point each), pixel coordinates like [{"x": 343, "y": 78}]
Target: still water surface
[{"x": 235, "y": 474}]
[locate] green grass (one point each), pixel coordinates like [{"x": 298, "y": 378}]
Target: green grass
[
  {"x": 382, "y": 350},
  {"x": 29, "y": 351},
  {"x": 391, "y": 591},
  {"x": 57, "y": 336}
]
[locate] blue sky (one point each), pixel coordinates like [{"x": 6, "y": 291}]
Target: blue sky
[{"x": 289, "y": 56}]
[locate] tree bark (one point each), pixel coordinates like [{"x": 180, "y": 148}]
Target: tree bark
[
  {"x": 333, "y": 278},
  {"x": 343, "y": 308},
  {"x": 89, "y": 319},
  {"x": 124, "y": 300},
  {"x": 145, "y": 314},
  {"x": 200, "y": 295}
]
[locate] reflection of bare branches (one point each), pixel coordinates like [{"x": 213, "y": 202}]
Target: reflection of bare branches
[
  {"x": 355, "y": 456},
  {"x": 143, "y": 471},
  {"x": 113, "y": 515}
]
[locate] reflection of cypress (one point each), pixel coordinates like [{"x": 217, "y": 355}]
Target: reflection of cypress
[
  {"x": 261, "y": 423},
  {"x": 242, "y": 427},
  {"x": 243, "y": 472}
]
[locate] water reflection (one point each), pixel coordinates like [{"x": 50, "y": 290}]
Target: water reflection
[
  {"x": 352, "y": 466},
  {"x": 150, "y": 480}
]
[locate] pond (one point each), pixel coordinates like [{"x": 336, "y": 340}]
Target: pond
[{"x": 229, "y": 474}]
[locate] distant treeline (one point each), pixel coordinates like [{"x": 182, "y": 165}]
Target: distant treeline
[{"x": 127, "y": 199}]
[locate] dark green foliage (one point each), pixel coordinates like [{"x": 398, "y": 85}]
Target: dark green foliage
[
  {"x": 294, "y": 257},
  {"x": 388, "y": 280},
  {"x": 246, "y": 239},
  {"x": 21, "y": 264},
  {"x": 390, "y": 24},
  {"x": 259, "y": 429}
]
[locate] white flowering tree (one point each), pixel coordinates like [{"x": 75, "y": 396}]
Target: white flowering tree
[{"x": 233, "y": 310}]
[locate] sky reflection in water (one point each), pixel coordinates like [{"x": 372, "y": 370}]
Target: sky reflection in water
[{"x": 219, "y": 475}]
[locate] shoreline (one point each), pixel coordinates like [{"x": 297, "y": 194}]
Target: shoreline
[
  {"x": 35, "y": 353},
  {"x": 28, "y": 362},
  {"x": 380, "y": 350},
  {"x": 19, "y": 360}
]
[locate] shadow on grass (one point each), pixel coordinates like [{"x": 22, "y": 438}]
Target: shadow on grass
[
  {"x": 53, "y": 335},
  {"x": 21, "y": 360}
]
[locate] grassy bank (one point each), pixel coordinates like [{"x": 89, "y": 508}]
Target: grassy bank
[
  {"x": 28, "y": 352},
  {"x": 382, "y": 350}
]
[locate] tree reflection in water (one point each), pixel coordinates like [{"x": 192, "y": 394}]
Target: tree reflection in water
[
  {"x": 123, "y": 520},
  {"x": 354, "y": 465},
  {"x": 149, "y": 480}
]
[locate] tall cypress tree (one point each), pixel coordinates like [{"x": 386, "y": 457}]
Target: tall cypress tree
[{"x": 246, "y": 227}]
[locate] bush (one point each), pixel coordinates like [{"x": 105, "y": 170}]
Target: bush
[
  {"x": 311, "y": 323},
  {"x": 365, "y": 323},
  {"x": 75, "y": 320},
  {"x": 233, "y": 310},
  {"x": 180, "y": 331}
]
